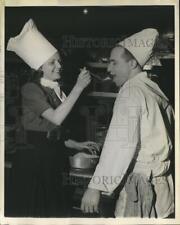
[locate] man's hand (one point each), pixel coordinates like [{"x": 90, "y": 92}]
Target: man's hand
[{"x": 90, "y": 201}]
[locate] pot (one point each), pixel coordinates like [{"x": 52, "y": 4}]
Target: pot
[{"x": 83, "y": 161}]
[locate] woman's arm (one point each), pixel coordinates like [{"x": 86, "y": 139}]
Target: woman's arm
[{"x": 58, "y": 115}]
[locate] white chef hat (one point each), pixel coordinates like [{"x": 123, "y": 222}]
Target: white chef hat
[
  {"x": 31, "y": 46},
  {"x": 141, "y": 44}
]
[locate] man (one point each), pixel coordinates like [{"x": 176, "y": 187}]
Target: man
[{"x": 138, "y": 144}]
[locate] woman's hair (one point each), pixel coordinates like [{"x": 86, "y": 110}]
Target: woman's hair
[{"x": 35, "y": 75}]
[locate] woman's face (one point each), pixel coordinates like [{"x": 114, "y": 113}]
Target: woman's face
[{"x": 52, "y": 68}]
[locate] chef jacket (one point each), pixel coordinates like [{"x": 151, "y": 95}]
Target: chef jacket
[{"x": 140, "y": 132}]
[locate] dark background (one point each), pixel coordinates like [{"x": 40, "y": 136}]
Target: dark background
[
  {"x": 99, "y": 21},
  {"x": 55, "y": 23},
  {"x": 112, "y": 22}
]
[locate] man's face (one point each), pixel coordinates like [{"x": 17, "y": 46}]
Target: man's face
[{"x": 119, "y": 67}]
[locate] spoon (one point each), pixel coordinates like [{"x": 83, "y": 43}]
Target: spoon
[{"x": 99, "y": 78}]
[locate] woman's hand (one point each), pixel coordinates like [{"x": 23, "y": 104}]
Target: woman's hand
[
  {"x": 84, "y": 79},
  {"x": 90, "y": 146}
]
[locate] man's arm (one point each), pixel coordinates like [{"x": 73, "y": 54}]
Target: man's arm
[{"x": 119, "y": 148}]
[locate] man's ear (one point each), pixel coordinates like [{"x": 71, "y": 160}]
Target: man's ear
[{"x": 133, "y": 63}]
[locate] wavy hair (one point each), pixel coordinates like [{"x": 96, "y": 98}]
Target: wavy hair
[{"x": 35, "y": 75}]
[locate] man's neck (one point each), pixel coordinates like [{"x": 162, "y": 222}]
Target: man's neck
[{"x": 135, "y": 72}]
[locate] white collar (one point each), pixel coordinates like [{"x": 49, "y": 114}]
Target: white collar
[
  {"x": 55, "y": 86},
  {"x": 143, "y": 78},
  {"x": 49, "y": 83}
]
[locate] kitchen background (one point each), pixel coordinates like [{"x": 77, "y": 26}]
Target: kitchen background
[{"x": 84, "y": 36}]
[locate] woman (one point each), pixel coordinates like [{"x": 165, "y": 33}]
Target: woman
[{"x": 38, "y": 189}]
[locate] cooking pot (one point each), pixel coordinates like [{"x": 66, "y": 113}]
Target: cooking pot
[{"x": 83, "y": 161}]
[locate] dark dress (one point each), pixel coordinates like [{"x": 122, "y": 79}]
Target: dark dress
[{"x": 38, "y": 189}]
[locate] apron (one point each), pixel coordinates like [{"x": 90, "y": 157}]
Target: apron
[{"x": 160, "y": 191}]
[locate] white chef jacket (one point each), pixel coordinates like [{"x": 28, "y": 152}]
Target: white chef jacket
[{"x": 140, "y": 130}]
